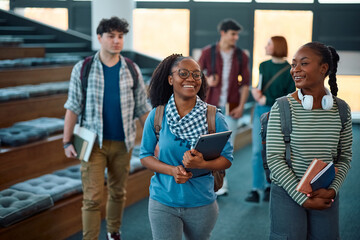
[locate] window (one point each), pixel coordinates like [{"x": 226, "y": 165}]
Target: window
[
  {"x": 56, "y": 17},
  {"x": 222, "y": 0},
  {"x": 339, "y": 1},
  {"x": 162, "y": 0},
  {"x": 348, "y": 90},
  {"x": 285, "y": 23},
  {"x": 161, "y": 32},
  {"x": 285, "y": 1},
  {"x": 5, "y": 5}
]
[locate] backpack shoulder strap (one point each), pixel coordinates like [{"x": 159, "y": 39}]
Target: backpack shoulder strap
[
  {"x": 343, "y": 112},
  {"x": 84, "y": 72},
  {"x": 159, "y": 113},
  {"x": 134, "y": 73},
  {"x": 84, "y": 75},
  {"x": 213, "y": 58},
  {"x": 211, "y": 116},
  {"x": 239, "y": 54},
  {"x": 286, "y": 125}
]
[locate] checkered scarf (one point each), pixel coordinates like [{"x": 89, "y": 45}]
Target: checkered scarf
[{"x": 192, "y": 125}]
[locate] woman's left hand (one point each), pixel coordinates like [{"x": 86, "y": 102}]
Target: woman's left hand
[
  {"x": 193, "y": 159},
  {"x": 323, "y": 193}
]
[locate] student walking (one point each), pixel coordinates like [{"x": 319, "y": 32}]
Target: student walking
[
  {"x": 113, "y": 101},
  {"x": 316, "y": 133},
  {"x": 181, "y": 200}
]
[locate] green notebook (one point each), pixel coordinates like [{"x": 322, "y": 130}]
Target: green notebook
[{"x": 80, "y": 145}]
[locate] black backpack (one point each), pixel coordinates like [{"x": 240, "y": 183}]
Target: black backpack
[
  {"x": 84, "y": 75},
  {"x": 286, "y": 129},
  {"x": 86, "y": 66}
]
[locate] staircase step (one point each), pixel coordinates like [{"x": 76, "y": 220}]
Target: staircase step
[
  {"x": 36, "y": 38},
  {"x": 81, "y": 54},
  {"x": 3, "y": 21},
  {"x": 60, "y": 47},
  {"x": 7, "y": 30}
]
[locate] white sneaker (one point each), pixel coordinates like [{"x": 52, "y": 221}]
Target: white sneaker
[
  {"x": 113, "y": 236},
  {"x": 224, "y": 190}
]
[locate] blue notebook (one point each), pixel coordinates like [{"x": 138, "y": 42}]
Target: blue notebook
[{"x": 324, "y": 178}]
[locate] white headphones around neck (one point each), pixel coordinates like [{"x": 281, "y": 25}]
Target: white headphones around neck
[{"x": 308, "y": 100}]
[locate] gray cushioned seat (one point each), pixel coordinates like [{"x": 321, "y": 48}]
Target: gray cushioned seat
[
  {"x": 18, "y": 205},
  {"x": 50, "y": 125},
  {"x": 71, "y": 172},
  {"x": 58, "y": 187},
  {"x": 7, "y": 94},
  {"x": 20, "y": 135}
]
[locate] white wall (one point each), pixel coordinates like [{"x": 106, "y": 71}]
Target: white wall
[{"x": 106, "y": 9}]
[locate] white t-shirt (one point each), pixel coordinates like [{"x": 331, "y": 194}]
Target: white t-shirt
[{"x": 226, "y": 57}]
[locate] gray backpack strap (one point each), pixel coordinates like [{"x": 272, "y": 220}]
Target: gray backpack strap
[
  {"x": 286, "y": 125},
  {"x": 343, "y": 112},
  {"x": 159, "y": 113}
]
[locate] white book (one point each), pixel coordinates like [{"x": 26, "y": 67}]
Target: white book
[{"x": 89, "y": 140}]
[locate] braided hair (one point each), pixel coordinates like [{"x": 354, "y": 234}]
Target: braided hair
[
  {"x": 160, "y": 90},
  {"x": 328, "y": 55}
]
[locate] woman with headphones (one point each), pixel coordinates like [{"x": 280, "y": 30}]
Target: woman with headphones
[{"x": 316, "y": 133}]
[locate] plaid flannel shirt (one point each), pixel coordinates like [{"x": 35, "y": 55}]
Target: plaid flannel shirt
[{"x": 132, "y": 106}]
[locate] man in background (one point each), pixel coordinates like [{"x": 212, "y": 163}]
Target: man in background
[{"x": 227, "y": 73}]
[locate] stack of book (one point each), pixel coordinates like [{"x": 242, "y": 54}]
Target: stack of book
[{"x": 318, "y": 175}]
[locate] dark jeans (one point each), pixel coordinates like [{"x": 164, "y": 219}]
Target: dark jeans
[{"x": 289, "y": 220}]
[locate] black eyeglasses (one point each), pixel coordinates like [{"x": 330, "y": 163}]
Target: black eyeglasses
[{"x": 184, "y": 74}]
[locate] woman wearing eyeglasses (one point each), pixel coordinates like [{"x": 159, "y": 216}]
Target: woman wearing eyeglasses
[{"x": 180, "y": 200}]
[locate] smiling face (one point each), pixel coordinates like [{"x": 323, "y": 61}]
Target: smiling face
[
  {"x": 307, "y": 70},
  {"x": 111, "y": 42},
  {"x": 185, "y": 88}
]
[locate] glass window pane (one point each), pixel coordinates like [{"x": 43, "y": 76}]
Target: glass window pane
[
  {"x": 339, "y": 1},
  {"x": 285, "y": 1},
  {"x": 222, "y": 0},
  {"x": 56, "y": 17},
  {"x": 5, "y": 5},
  {"x": 270, "y": 23},
  {"x": 161, "y": 32},
  {"x": 348, "y": 90},
  {"x": 162, "y": 0}
]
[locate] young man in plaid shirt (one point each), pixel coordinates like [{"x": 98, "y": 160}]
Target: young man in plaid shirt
[{"x": 113, "y": 101}]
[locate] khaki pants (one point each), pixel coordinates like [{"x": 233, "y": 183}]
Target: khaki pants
[{"x": 114, "y": 156}]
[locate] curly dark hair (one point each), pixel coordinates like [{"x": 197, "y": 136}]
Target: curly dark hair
[
  {"x": 160, "y": 90},
  {"x": 328, "y": 55},
  {"x": 229, "y": 24},
  {"x": 114, "y": 23}
]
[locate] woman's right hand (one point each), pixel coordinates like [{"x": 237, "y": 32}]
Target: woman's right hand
[
  {"x": 256, "y": 93},
  {"x": 180, "y": 174}
]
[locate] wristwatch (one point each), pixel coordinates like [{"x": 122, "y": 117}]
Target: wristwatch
[{"x": 67, "y": 144}]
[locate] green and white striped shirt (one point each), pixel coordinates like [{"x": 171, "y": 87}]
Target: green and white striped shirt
[{"x": 315, "y": 134}]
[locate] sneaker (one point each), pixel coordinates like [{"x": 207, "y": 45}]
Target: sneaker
[
  {"x": 222, "y": 192},
  {"x": 253, "y": 197},
  {"x": 266, "y": 197},
  {"x": 113, "y": 236}
]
